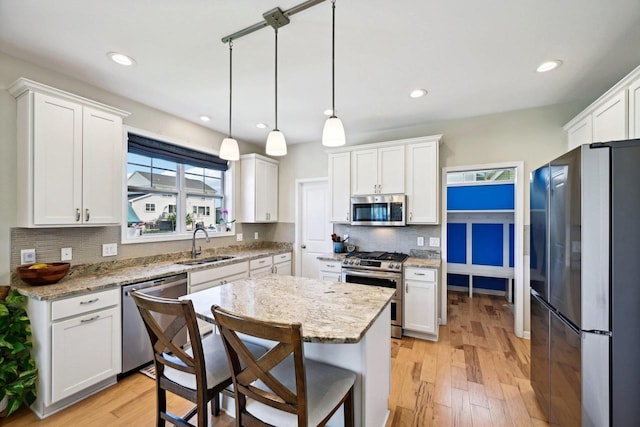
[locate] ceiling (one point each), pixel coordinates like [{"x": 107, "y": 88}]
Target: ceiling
[{"x": 474, "y": 57}]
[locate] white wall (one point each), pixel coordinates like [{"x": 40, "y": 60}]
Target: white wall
[{"x": 142, "y": 117}]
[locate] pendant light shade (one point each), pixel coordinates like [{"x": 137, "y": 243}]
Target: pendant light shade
[
  {"x": 276, "y": 144},
  {"x": 229, "y": 147},
  {"x": 333, "y": 131}
]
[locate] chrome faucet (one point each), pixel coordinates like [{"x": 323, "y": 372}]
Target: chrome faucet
[{"x": 194, "y": 252}]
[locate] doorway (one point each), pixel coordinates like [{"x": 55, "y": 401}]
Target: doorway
[
  {"x": 312, "y": 227},
  {"x": 513, "y": 215}
]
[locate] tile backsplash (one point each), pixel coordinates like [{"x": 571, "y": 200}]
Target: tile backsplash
[
  {"x": 86, "y": 242},
  {"x": 390, "y": 239}
]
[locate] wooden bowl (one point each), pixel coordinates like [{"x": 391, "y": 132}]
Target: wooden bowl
[{"x": 52, "y": 273}]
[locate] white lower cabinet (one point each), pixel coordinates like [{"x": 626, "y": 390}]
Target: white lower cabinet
[
  {"x": 330, "y": 270},
  {"x": 282, "y": 264},
  {"x": 84, "y": 351},
  {"x": 261, "y": 266},
  {"x": 77, "y": 347},
  {"x": 420, "y": 302}
]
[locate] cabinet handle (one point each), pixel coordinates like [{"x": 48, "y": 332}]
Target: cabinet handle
[
  {"x": 410, "y": 216},
  {"x": 330, "y": 265},
  {"x": 78, "y": 215},
  {"x": 275, "y": 269},
  {"x": 406, "y": 287},
  {"x": 86, "y": 214},
  {"x": 304, "y": 246},
  {"x": 91, "y": 319},
  {"x": 91, "y": 301},
  {"x": 419, "y": 274}
]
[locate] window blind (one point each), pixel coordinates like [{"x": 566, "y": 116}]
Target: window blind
[{"x": 161, "y": 150}]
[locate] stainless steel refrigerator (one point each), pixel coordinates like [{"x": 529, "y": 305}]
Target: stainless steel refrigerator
[{"x": 585, "y": 285}]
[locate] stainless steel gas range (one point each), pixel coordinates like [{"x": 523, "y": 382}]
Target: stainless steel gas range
[{"x": 378, "y": 269}]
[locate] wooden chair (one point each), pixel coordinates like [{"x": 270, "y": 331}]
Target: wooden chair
[
  {"x": 198, "y": 374},
  {"x": 281, "y": 388}
]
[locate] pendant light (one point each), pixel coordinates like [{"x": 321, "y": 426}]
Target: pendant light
[
  {"x": 276, "y": 144},
  {"x": 333, "y": 131},
  {"x": 229, "y": 147}
]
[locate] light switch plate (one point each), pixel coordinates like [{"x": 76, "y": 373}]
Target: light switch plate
[
  {"x": 256, "y": 235},
  {"x": 239, "y": 237},
  {"x": 110, "y": 249},
  {"x": 434, "y": 242},
  {"x": 420, "y": 241},
  {"x": 66, "y": 254},
  {"x": 27, "y": 256}
]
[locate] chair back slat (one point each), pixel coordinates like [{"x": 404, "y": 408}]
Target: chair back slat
[{"x": 247, "y": 369}]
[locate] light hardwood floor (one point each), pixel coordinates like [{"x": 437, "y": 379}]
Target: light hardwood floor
[{"x": 477, "y": 374}]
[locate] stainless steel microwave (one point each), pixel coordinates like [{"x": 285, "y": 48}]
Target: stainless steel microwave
[{"x": 388, "y": 210}]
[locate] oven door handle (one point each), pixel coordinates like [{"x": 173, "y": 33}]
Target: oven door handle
[{"x": 369, "y": 273}]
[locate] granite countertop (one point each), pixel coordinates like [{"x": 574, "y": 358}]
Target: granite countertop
[
  {"x": 332, "y": 257},
  {"x": 330, "y": 312},
  {"x": 101, "y": 276},
  {"x": 422, "y": 262}
]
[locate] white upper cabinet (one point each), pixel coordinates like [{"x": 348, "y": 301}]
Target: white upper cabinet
[
  {"x": 634, "y": 108},
  {"x": 70, "y": 157},
  {"x": 340, "y": 186},
  {"x": 423, "y": 186},
  {"x": 259, "y": 188},
  {"x": 612, "y": 117},
  {"x": 377, "y": 171}
]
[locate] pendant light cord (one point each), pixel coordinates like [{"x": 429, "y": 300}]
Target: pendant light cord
[
  {"x": 276, "y": 74},
  {"x": 333, "y": 58},
  {"x": 230, "y": 82}
]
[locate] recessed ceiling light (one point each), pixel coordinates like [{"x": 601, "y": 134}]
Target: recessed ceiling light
[
  {"x": 205, "y": 118},
  {"x": 328, "y": 112},
  {"x": 418, "y": 93},
  {"x": 120, "y": 58},
  {"x": 262, "y": 125},
  {"x": 548, "y": 66}
]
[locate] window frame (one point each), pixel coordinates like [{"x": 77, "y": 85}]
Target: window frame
[{"x": 181, "y": 200}]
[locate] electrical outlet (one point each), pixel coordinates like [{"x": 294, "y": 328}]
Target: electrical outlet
[
  {"x": 110, "y": 249},
  {"x": 66, "y": 254},
  {"x": 27, "y": 256},
  {"x": 420, "y": 241},
  {"x": 256, "y": 235},
  {"x": 239, "y": 237},
  {"x": 434, "y": 242}
]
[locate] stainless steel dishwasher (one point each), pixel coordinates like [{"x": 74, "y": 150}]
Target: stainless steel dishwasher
[{"x": 136, "y": 347}]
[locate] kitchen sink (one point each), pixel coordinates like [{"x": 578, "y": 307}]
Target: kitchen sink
[{"x": 206, "y": 260}]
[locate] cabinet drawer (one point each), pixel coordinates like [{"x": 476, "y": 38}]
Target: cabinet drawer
[
  {"x": 282, "y": 257},
  {"x": 330, "y": 266},
  {"x": 84, "y": 303},
  {"x": 260, "y": 272},
  {"x": 260, "y": 263},
  {"x": 216, "y": 273},
  {"x": 422, "y": 274},
  {"x": 218, "y": 282}
]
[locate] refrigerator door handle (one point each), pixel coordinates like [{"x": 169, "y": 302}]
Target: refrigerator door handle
[{"x": 594, "y": 331}]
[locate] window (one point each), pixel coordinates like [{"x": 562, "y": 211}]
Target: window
[{"x": 171, "y": 188}]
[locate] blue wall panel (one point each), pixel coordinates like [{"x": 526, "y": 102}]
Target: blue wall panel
[
  {"x": 457, "y": 243},
  {"x": 494, "y": 283},
  {"x": 480, "y": 197},
  {"x": 486, "y": 244}
]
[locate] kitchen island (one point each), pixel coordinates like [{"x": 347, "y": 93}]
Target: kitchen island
[{"x": 343, "y": 324}]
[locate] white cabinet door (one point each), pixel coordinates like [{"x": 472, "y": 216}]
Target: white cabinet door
[
  {"x": 580, "y": 133},
  {"x": 634, "y": 109},
  {"x": 282, "y": 268},
  {"x": 259, "y": 189},
  {"x": 57, "y": 161},
  {"x": 420, "y": 306},
  {"x": 102, "y": 167},
  {"x": 331, "y": 277},
  {"x": 364, "y": 172},
  {"x": 423, "y": 183},
  {"x": 340, "y": 186},
  {"x": 610, "y": 120},
  {"x": 391, "y": 170},
  {"x": 85, "y": 351}
]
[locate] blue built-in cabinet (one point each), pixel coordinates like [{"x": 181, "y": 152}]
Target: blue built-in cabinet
[{"x": 480, "y": 235}]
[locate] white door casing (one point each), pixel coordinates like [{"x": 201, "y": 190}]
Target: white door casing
[{"x": 313, "y": 229}]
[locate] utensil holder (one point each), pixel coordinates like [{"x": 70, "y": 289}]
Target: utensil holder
[{"x": 338, "y": 247}]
